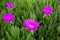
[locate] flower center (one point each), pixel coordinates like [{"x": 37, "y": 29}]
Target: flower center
[{"x": 30, "y": 26}]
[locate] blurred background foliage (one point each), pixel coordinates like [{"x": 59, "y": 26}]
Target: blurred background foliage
[{"x": 23, "y": 9}]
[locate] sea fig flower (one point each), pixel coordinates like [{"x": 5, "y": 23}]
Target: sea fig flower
[
  {"x": 31, "y": 24},
  {"x": 8, "y": 17},
  {"x": 47, "y": 10},
  {"x": 10, "y": 5}
]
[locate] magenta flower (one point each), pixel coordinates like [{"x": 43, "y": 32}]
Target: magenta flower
[
  {"x": 10, "y": 5},
  {"x": 47, "y": 10},
  {"x": 30, "y": 24},
  {"x": 8, "y": 17}
]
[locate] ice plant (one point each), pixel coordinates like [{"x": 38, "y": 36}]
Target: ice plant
[
  {"x": 8, "y": 17},
  {"x": 31, "y": 24},
  {"x": 47, "y": 10},
  {"x": 10, "y": 5}
]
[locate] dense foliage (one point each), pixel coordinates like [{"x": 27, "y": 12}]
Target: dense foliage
[{"x": 49, "y": 28}]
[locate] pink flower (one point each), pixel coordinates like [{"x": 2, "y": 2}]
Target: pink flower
[
  {"x": 47, "y": 10},
  {"x": 8, "y": 17},
  {"x": 10, "y": 5},
  {"x": 31, "y": 24}
]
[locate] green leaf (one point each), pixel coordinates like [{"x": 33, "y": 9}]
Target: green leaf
[
  {"x": 58, "y": 29},
  {"x": 15, "y": 31}
]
